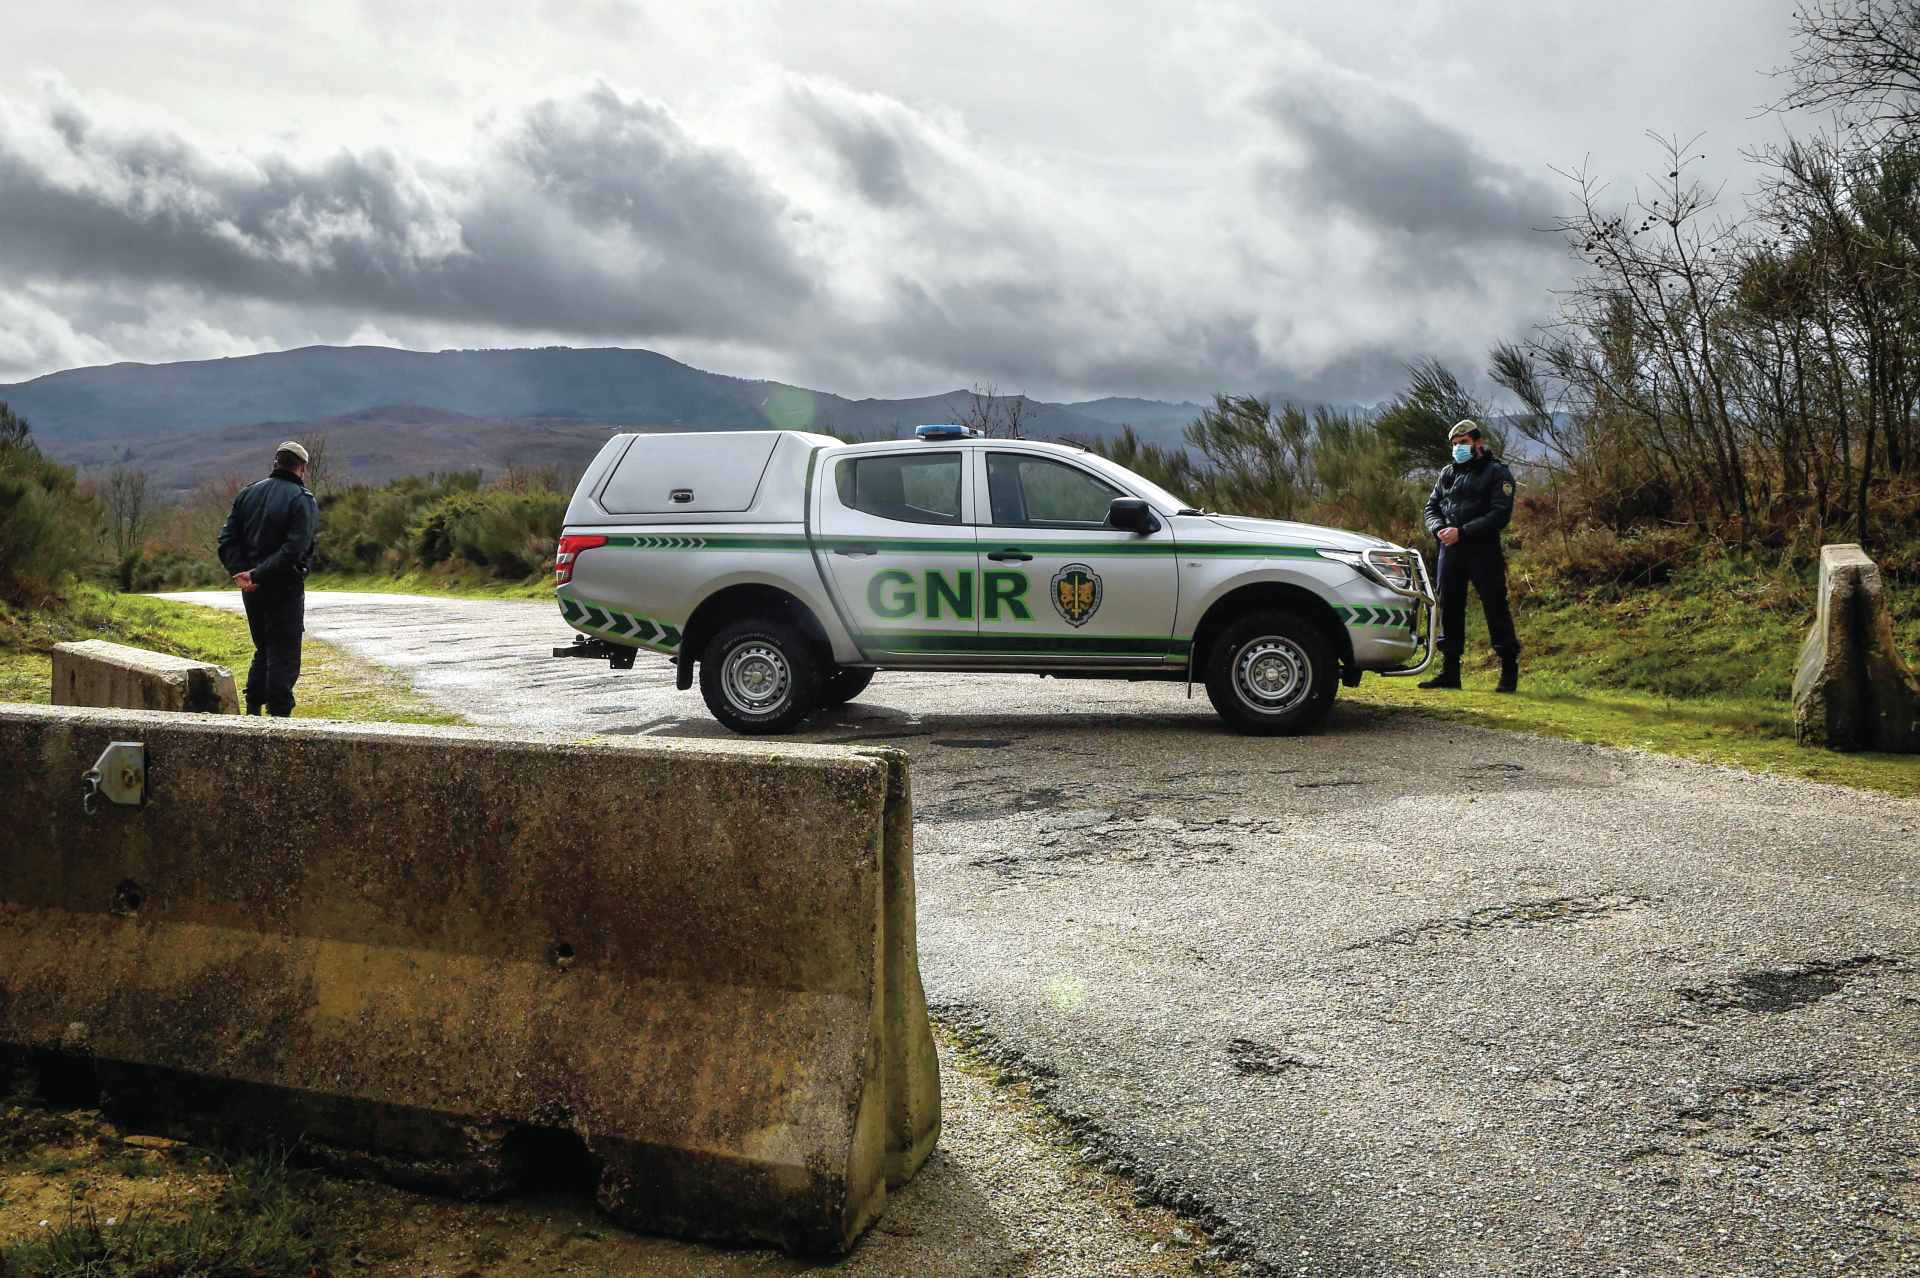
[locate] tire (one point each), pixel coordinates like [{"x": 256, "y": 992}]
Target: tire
[
  {"x": 760, "y": 676},
  {"x": 1272, "y": 674},
  {"x": 843, "y": 686}
]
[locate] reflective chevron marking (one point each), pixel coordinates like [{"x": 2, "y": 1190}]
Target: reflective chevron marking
[
  {"x": 601, "y": 619},
  {"x": 655, "y": 542},
  {"x": 1397, "y": 618}
]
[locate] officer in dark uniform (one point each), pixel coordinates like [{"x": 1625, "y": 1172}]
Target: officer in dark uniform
[
  {"x": 267, "y": 544},
  {"x": 1472, "y": 501}
]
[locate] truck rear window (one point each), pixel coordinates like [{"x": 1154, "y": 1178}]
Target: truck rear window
[{"x": 922, "y": 488}]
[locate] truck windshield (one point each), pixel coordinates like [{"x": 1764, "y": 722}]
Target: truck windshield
[{"x": 1166, "y": 501}]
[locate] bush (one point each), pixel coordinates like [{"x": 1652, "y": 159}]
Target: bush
[
  {"x": 512, "y": 533},
  {"x": 367, "y": 529},
  {"x": 167, "y": 568},
  {"x": 49, "y": 529}
]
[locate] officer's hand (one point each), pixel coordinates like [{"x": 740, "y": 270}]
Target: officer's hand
[
  {"x": 245, "y": 581},
  {"x": 1449, "y": 535}
]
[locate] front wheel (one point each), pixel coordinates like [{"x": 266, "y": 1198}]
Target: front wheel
[
  {"x": 760, "y": 676},
  {"x": 1271, "y": 674}
]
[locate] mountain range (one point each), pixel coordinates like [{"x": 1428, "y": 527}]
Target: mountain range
[{"x": 386, "y": 412}]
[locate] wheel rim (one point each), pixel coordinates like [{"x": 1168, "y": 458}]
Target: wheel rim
[
  {"x": 756, "y": 678},
  {"x": 1272, "y": 675}
]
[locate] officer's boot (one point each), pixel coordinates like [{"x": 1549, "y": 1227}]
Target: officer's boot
[
  {"x": 1509, "y": 675},
  {"x": 1449, "y": 676},
  {"x": 253, "y": 707}
]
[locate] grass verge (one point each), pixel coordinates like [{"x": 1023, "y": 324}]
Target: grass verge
[
  {"x": 1699, "y": 666},
  {"x": 468, "y": 583},
  {"x": 333, "y": 685},
  {"x": 1736, "y": 733}
]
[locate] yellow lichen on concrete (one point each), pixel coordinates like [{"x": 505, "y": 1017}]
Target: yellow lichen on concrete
[{"x": 414, "y": 945}]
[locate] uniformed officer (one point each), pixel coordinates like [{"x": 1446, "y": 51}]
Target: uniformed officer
[
  {"x": 267, "y": 544},
  {"x": 1472, "y": 501}
]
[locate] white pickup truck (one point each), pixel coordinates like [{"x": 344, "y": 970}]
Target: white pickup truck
[{"x": 791, "y": 567}]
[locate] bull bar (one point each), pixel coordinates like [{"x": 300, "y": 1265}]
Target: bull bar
[{"x": 1423, "y": 594}]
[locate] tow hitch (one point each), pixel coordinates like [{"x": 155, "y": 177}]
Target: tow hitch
[{"x": 619, "y": 656}]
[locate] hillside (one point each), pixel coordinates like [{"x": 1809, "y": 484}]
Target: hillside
[
  {"x": 373, "y": 445},
  {"x": 556, "y": 403}
]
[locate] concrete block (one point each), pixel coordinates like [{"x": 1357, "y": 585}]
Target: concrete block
[
  {"x": 461, "y": 959},
  {"x": 1851, "y": 690},
  {"x": 111, "y": 676}
]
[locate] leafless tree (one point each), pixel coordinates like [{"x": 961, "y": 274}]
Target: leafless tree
[
  {"x": 203, "y": 512},
  {"x": 324, "y": 473},
  {"x": 994, "y": 415},
  {"x": 129, "y": 501},
  {"x": 1859, "y": 58}
]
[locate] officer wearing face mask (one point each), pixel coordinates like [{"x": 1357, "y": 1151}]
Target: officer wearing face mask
[{"x": 1472, "y": 501}]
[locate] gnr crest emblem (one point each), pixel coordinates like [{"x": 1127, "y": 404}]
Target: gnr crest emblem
[{"x": 1076, "y": 594}]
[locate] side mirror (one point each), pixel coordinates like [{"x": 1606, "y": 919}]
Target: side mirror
[{"x": 1130, "y": 514}]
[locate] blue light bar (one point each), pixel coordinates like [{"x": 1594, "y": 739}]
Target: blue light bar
[{"x": 944, "y": 430}]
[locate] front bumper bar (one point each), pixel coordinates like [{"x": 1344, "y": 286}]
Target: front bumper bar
[{"x": 1422, "y": 594}]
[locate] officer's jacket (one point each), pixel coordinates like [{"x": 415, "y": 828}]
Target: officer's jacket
[
  {"x": 271, "y": 530},
  {"x": 1476, "y": 497}
]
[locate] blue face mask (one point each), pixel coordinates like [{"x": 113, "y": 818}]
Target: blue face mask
[{"x": 1463, "y": 453}]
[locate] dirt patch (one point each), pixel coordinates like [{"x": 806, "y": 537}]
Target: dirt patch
[{"x": 56, "y": 1168}]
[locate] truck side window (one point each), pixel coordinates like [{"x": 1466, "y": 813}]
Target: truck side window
[
  {"x": 1032, "y": 490},
  {"x": 919, "y": 489}
]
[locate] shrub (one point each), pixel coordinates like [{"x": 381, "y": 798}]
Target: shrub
[
  {"x": 49, "y": 529},
  {"x": 510, "y": 532}
]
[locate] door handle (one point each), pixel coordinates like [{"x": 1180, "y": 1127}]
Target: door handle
[
  {"x": 1011, "y": 553},
  {"x": 855, "y": 552}
]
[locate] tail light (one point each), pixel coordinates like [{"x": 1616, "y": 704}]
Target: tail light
[{"x": 570, "y": 548}]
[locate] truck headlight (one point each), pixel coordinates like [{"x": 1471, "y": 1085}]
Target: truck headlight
[{"x": 1390, "y": 567}]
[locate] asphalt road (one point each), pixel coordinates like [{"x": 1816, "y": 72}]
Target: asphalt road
[{"x": 1398, "y": 998}]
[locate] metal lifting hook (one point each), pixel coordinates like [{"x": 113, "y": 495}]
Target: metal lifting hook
[{"x": 118, "y": 776}]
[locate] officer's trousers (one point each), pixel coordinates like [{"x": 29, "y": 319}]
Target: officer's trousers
[
  {"x": 277, "y": 618},
  {"x": 1482, "y": 565}
]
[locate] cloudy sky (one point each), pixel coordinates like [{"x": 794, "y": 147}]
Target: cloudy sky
[{"x": 875, "y": 197}]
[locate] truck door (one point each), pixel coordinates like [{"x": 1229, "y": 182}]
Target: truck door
[
  {"x": 1060, "y": 586},
  {"x": 900, "y": 552}
]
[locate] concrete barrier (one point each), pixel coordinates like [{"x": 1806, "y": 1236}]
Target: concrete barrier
[
  {"x": 1851, "y": 690},
  {"x": 111, "y": 676},
  {"x": 455, "y": 958}
]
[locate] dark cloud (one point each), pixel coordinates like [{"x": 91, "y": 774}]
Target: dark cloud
[
  {"x": 1396, "y": 169},
  {"x": 598, "y": 214},
  {"x": 933, "y": 261},
  {"x": 872, "y": 144}
]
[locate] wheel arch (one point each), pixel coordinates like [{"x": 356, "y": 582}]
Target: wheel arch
[
  {"x": 746, "y": 599},
  {"x": 1258, "y": 596}
]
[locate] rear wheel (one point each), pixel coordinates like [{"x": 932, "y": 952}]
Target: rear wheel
[
  {"x": 843, "y": 686},
  {"x": 760, "y": 676},
  {"x": 1272, "y": 674}
]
